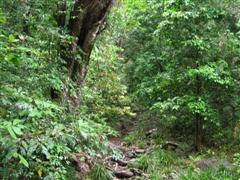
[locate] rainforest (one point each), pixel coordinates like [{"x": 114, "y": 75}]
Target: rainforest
[{"x": 120, "y": 89}]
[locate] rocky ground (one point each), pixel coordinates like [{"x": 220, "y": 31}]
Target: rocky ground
[
  {"x": 119, "y": 166},
  {"x": 130, "y": 153}
]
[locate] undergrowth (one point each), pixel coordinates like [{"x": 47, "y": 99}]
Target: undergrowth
[
  {"x": 210, "y": 174},
  {"x": 158, "y": 162},
  {"x": 99, "y": 172}
]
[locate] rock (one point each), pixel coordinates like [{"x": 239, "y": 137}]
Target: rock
[
  {"x": 170, "y": 145},
  {"x": 134, "y": 152},
  {"x": 120, "y": 162},
  {"x": 131, "y": 154},
  {"x": 151, "y": 133},
  {"x": 81, "y": 167},
  {"x": 214, "y": 163},
  {"x": 173, "y": 176},
  {"x": 132, "y": 160},
  {"x": 136, "y": 172},
  {"x": 140, "y": 151},
  {"x": 124, "y": 174},
  {"x": 82, "y": 162}
]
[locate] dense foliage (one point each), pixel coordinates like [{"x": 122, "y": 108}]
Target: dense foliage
[
  {"x": 38, "y": 133},
  {"x": 69, "y": 70},
  {"x": 184, "y": 65}
]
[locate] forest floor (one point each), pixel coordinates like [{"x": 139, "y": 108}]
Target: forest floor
[
  {"x": 168, "y": 159},
  {"x": 121, "y": 167},
  {"x": 142, "y": 154}
]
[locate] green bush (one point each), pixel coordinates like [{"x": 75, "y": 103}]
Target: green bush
[
  {"x": 184, "y": 64},
  {"x": 135, "y": 137},
  {"x": 39, "y": 134},
  {"x": 157, "y": 163},
  {"x": 99, "y": 172}
]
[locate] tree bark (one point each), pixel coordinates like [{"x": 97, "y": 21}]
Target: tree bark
[
  {"x": 198, "y": 117},
  {"x": 86, "y": 20},
  {"x": 198, "y": 136}
]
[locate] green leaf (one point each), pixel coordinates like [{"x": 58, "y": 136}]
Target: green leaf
[
  {"x": 17, "y": 130},
  {"x": 11, "y": 132},
  {"x": 2, "y": 17},
  {"x": 13, "y": 59},
  {"x": 11, "y": 38},
  {"x": 16, "y": 121},
  {"x": 23, "y": 160},
  {"x": 84, "y": 135}
]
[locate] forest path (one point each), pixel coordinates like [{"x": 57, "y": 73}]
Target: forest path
[{"x": 120, "y": 167}]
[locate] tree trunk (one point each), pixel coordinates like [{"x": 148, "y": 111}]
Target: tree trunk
[
  {"x": 198, "y": 117},
  {"x": 198, "y": 135},
  {"x": 86, "y": 21}
]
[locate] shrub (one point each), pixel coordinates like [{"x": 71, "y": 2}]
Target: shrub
[{"x": 99, "y": 172}]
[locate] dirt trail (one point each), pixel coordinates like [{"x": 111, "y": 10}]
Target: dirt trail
[{"x": 119, "y": 167}]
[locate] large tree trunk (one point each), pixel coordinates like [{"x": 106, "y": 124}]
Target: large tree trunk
[
  {"x": 86, "y": 21},
  {"x": 198, "y": 116}
]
